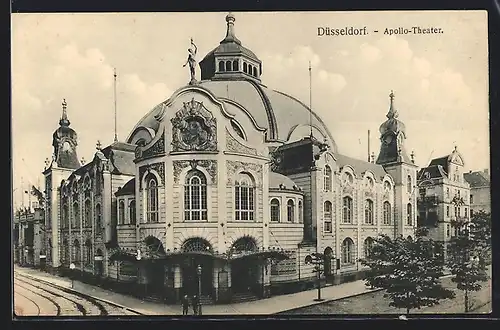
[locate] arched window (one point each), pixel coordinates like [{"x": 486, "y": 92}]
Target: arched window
[
  {"x": 409, "y": 185},
  {"x": 347, "y": 210},
  {"x": 238, "y": 129},
  {"x": 65, "y": 247},
  {"x": 275, "y": 210},
  {"x": 301, "y": 212},
  {"x": 369, "y": 212},
  {"x": 65, "y": 217},
  {"x": 76, "y": 251},
  {"x": 151, "y": 198},
  {"x": 228, "y": 65},
  {"x": 250, "y": 69},
  {"x": 236, "y": 65},
  {"x": 98, "y": 219},
  {"x": 195, "y": 196},
  {"x": 328, "y": 178},
  {"x": 387, "y": 213},
  {"x": 88, "y": 252},
  {"x": 290, "y": 206},
  {"x": 327, "y": 214},
  {"x": 121, "y": 212},
  {"x": 347, "y": 251},
  {"x": 132, "y": 219},
  {"x": 76, "y": 216},
  {"x": 255, "y": 71},
  {"x": 245, "y": 67},
  {"x": 368, "y": 245},
  {"x": 221, "y": 66},
  {"x": 244, "y": 196},
  {"x": 88, "y": 214},
  {"x": 409, "y": 219}
]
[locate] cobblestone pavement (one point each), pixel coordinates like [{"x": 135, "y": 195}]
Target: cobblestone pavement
[{"x": 376, "y": 303}]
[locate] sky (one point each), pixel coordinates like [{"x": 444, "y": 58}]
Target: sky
[{"x": 440, "y": 81}]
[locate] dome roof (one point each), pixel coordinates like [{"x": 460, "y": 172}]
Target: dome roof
[
  {"x": 392, "y": 124},
  {"x": 280, "y": 181}
]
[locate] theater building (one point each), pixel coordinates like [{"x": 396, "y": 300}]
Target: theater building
[{"x": 225, "y": 188}]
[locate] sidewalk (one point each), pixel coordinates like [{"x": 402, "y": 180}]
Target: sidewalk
[{"x": 267, "y": 306}]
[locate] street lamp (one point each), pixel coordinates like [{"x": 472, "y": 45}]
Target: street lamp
[
  {"x": 138, "y": 257},
  {"x": 198, "y": 271},
  {"x": 72, "y": 267}
]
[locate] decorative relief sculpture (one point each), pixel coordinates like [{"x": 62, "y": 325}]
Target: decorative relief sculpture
[
  {"x": 194, "y": 128},
  {"x": 157, "y": 149},
  {"x": 347, "y": 189},
  {"x": 158, "y": 167},
  {"x": 234, "y": 145},
  {"x": 234, "y": 166},
  {"x": 209, "y": 165}
]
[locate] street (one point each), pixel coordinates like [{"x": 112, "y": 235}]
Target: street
[{"x": 34, "y": 298}]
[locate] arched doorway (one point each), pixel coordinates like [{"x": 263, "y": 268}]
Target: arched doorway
[
  {"x": 244, "y": 272},
  {"x": 328, "y": 255},
  {"x": 155, "y": 271},
  {"x": 200, "y": 252},
  {"x": 98, "y": 260}
]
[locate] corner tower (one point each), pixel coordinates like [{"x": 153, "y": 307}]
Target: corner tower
[
  {"x": 64, "y": 142},
  {"x": 395, "y": 160},
  {"x": 230, "y": 60}
]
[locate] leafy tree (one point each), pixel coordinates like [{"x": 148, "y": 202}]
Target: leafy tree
[
  {"x": 408, "y": 271},
  {"x": 466, "y": 258},
  {"x": 480, "y": 232}
]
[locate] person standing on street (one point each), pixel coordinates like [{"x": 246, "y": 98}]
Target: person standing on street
[
  {"x": 185, "y": 305},
  {"x": 195, "y": 302}
]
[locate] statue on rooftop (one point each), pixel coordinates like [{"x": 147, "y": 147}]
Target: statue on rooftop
[{"x": 192, "y": 61}]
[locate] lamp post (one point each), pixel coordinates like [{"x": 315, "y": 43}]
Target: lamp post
[
  {"x": 317, "y": 259},
  {"x": 138, "y": 257},
  {"x": 72, "y": 267},
  {"x": 198, "y": 271}
]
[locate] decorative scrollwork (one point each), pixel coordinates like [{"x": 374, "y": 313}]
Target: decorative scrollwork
[
  {"x": 347, "y": 189},
  {"x": 157, "y": 149},
  {"x": 234, "y": 166},
  {"x": 158, "y": 167},
  {"x": 235, "y": 146},
  {"x": 194, "y": 128},
  {"x": 208, "y": 164}
]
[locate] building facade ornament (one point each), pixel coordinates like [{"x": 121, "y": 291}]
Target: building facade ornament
[
  {"x": 209, "y": 165},
  {"x": 234, "y": 166},
  {"x": 194, "y": 128},
  {"x": 157, "y": 167},
  {"x": 157, "y": 149},
  {"x": 236, "y": 146}
]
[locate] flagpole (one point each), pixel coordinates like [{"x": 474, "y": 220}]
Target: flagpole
[{"x": 114, "y": 95}]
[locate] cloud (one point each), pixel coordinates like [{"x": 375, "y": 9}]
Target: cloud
[{"x": 370, "y": 53}]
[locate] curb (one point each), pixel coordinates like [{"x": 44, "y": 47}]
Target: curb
[{"x": 82, "y": 294}]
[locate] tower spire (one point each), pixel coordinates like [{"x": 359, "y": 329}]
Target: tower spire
[
  {"x": 114, "y": 96},
  {"x": 393, "y": 113},
  {"x": 230, "y": 36},
  {"x": 64, "y": 121}
]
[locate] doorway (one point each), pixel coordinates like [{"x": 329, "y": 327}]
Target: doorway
[{"x": 244, "y": 271}]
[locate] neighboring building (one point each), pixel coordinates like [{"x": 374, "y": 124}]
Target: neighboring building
[
  {"x": 28, "y": 238},
  {"x": 480, "y": 198},
  {"x": 443, "y": 196},
  {"x": 229, "y": 175}
]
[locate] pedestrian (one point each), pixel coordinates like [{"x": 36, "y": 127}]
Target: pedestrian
[
  {"x": 195, "y": 302},
  {"x": 185, "y": 305}
]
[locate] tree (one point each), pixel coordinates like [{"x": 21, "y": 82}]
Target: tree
[
  {"x": 480, "y": 231},
  {"x": 466, "y": 259},
  {"x": 408, "y": 271}
]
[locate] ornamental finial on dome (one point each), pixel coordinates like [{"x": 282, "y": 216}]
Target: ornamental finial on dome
[
  {"x": 64, "y": 121},
  {"x": 393, "y": 113},
  {"x": 230, "y": 36}
]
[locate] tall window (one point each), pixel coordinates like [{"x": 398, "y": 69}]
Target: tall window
[
  {"x": 76, "y": 251},
  {"x": 347, "y": 251},
  {"x": 275, "y": 210},
  {"x": 65, "y": 217},
  {"x": 195, "y": 196},
  {"x": 327, "y": 213},
  {"x": 387, "y": 213},
  {"x": 290, "y": 207},
  {"x": 88, "y": 214},
  {"x": 65, "y": 251},
  {"x": 409, "y": 185},
  {"x": 88, "y": 252},
  {"x": 447, "y": 192},
  {"x": 328, "y": 178},
  {"x": 151, "y": 198},
  {"x": 132, "y": 218},
  {"x": 121, "y": 212},
  {"x": 368, "y": 245},
  {"x": 244, "y": 196},
  {"x": 98, "y": 219},
  {"x": 471, "y": 199},
  {"x": 409, "y": 219},
  {"x": 347, "y": 210},
  {"x": 301, "y": 212},
  {"x": 76, "y": 216},
  {"x": 471, "y": 213},
  {"x": 369, "y": 212},
  {"x": 447, "y": 211}
]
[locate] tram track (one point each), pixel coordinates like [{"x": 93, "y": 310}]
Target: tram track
[
  {"x": 30, "y": 300},
  {"x": 69, "y": 302}
]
